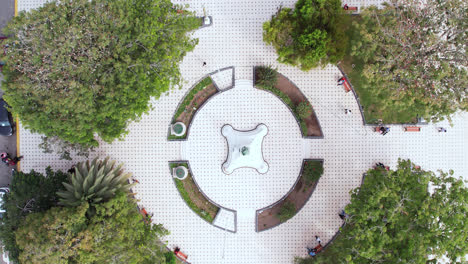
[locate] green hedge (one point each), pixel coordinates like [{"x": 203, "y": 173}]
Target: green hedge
[
  {"x": 183, "y": 192},
  {"x": 189, "y": 97}
]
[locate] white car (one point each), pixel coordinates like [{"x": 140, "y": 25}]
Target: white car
[{"x": 3, "y": 190}]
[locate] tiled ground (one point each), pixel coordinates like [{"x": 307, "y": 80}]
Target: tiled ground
[{"x": 348, "y": 148}]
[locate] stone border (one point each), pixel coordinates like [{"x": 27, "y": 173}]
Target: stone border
[
  {"x": 206, "y": 197},
  {"x": 292, "y": 110},
  {"x": 227, "y": 145},
  {"x": 187, "y": 133},
  {"x": 220, "y": 70},
  {"x": 258, "y": 211},
  {"x": 362, "y": 111}
]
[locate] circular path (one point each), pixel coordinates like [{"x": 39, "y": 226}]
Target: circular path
[{"x": 244, "y": 107}]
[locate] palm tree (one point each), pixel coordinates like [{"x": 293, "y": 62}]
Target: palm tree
[{"x": 95, "y": 183}]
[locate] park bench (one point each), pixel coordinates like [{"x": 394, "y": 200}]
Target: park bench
[
  {"x": 180, "y": 255},
  {"x": 346, "y": 85},
  {"x": 350, "y": 8},
  {"x": 412, "y": 129}
]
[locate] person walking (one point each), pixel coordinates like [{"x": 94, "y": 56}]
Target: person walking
[
  {"x": 347, "y": 111},
  {"x": 318, "y": 240}
]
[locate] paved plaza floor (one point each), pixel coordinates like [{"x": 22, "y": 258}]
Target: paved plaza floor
[{"x": 348, "y": 147}]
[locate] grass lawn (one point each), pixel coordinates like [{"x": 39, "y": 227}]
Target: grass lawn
[
  {"x": 371, "y": 101},
  {"x": 193, "y": 197}
]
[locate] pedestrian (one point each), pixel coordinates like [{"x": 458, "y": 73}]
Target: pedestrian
[
  {"x": 204, "y": 63},
  {"x": 343, "y": 215},
  {"x": 72, "y": 169},
  {"x": 311, "y": 252},
  {"x": 318, "y": 240},
  {"x": 387, "y": 129},
  {"x": 6, "y": 158},
  {"x": 382, "y": 130},
  {"x": 341, "y": 81},
  {"x": 347, "y": 111},
  {"x": 441, "y": 129}
]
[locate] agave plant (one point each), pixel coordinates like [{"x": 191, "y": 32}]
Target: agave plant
[{"x": 95, "y": 183}]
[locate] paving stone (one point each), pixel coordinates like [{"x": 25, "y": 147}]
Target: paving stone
[{"x": 348, "y": 148}]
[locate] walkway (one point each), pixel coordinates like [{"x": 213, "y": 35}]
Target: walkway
[{"x": 348, "y": 148}]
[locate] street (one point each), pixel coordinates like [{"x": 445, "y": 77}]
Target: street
[{"x": 7, "y": 144}]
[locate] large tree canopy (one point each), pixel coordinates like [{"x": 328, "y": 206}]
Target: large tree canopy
[
  {"x": 29, "y": 193},
  {"x": 116, "y": 233},
  {"x": 310, "y": 35},
  {"x": 415, "y": 55},
  {"x": 403, "y": 216},
  {"x": 79, "y": 68}
]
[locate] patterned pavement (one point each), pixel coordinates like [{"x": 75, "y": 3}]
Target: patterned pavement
[{"x": 348, "y": 148}]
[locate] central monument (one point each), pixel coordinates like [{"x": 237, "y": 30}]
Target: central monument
[{"x": 244, "y": 149}]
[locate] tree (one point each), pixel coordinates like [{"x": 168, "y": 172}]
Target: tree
[
  {"x": 415, "y": 55},
  {"x": 403, "y": 216},
  {"x": 310, "y": 35},
  {"x": 115, "y": 234},
  {"x": 29, "y": 193},
  {"x": 79, "y": 69},
  {"x": 94, "y": 182}
]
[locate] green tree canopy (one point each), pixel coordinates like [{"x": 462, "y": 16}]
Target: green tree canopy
[
  {"x": 115, "y": 234},
  {"x": 79, "y": 68},
  {"x": 403, "y": 216},
  {"x": 415, "y": 55},
  {"x": 310, "y": 35},
  {"x": 29, "y": 193}
]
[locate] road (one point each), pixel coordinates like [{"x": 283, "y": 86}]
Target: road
[
  {"x": 7, "y": 144},
  {"x": 7, "y": 11}
]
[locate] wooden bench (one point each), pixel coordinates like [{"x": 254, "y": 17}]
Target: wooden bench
[
  {"x": 350, "y": 8},
  {"x": 412, "y": 129},
  {"x": 346, "y": 85},
  {"x": 180, "y": 255}
]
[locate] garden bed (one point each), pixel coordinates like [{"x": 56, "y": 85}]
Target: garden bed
[
  {"x": 288, "y": 206},
  {"x": 192, "y": 195},
  {"x": 192, "y": 101},
  {"x": 290, "y": 94}
]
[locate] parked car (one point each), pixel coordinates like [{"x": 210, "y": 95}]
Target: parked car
[
  {"x": 6, "y": 123},
  {"x": 3, "y": 190}
]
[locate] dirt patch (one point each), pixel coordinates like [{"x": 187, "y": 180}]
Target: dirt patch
[
  {"x": 198, "y": 100},
  {"x": 299, "y": 196}
]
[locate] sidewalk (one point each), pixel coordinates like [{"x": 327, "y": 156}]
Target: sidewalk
[{"x": 7, "y": 11}]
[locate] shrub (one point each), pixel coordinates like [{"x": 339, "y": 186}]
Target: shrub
[
  {"x": 312, "y": 171},
  {"x": 310, "y": 35},
  {"x": 170, "y": 257},
  {"x": 287, "y": 211},
  {"x": 304, "y": 109},
  {"x": 266, "y": 75}
]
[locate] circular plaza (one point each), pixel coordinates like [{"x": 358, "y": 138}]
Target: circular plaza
[{"x": 161, "y": 151}]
